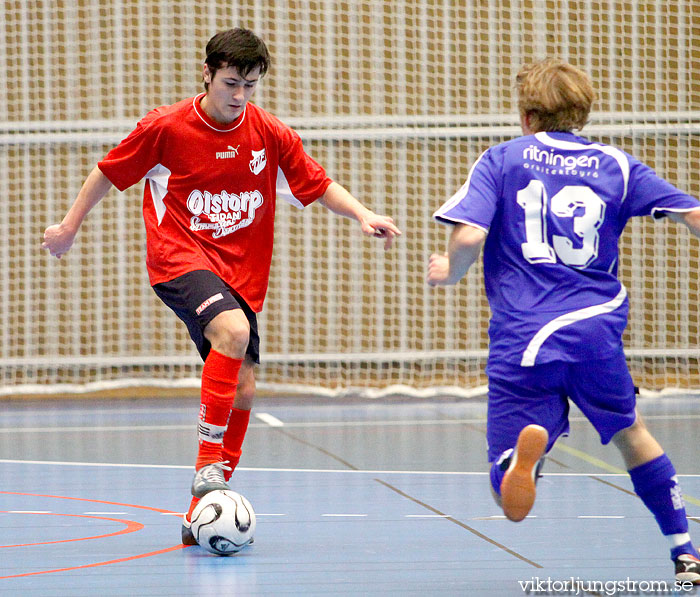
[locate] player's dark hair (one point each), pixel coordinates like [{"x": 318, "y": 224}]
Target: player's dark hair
[{"x": 239, "y": 48}]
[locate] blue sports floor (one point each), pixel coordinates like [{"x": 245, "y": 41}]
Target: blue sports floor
[{"x": 358, "y": 497}]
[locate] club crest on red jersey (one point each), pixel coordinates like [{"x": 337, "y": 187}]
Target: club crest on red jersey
[{"x": 258, "y": 162}]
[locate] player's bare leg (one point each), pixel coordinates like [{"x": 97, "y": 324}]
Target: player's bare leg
[
  {"x": 655, "y": 482},
  {"x": 228, "y": 334},
  {"x": 234, "y": 436},
  {"x": 636, "y": 444},
  {"x": 240, "y": 417},
  {"x": 245, "y": 393}
]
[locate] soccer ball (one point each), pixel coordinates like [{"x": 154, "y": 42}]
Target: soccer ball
[{"x": 223, "y": 522}]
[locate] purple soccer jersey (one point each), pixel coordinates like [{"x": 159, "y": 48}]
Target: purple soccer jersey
[{"x": 554, "y": 206}]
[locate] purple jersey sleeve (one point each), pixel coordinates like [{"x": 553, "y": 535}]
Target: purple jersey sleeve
[
  {"x": 477, "y": 201},
  {"x": 649, "y": 194}
]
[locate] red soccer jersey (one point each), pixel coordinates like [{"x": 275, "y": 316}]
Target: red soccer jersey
[{"x": 209, "y": 198}]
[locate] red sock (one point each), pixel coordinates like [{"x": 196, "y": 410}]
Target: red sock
[
  {"x": 233, "y": 438},
  {"x": 219, "y": 382},
  {"x": 193, "y": 503}
]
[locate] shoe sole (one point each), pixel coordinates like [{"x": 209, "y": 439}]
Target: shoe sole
[
  {"x": 691, "y": 577},
  {"x": 694, "y": 579},
  {"x": 518, "y": 486}
]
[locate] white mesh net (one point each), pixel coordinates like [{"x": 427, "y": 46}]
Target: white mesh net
[{"x": 396, "y": 99}]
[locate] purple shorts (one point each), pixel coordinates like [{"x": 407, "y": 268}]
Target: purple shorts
[{"x": 520, "y": 396}]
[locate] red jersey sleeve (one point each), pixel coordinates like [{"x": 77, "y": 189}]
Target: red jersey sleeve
[
  {"x": 301, "y": 180},
  {"x": 135, "y": 156}
]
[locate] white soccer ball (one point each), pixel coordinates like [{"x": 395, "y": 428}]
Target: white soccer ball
[{"x": 223, "y": 522}]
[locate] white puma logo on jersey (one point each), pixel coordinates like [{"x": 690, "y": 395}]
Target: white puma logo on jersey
[{"x": 231, "y": 153}]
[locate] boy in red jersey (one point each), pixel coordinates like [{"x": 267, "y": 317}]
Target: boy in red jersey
[{"x": 214, "y": 165}]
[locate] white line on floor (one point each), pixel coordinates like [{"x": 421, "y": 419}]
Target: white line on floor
[
  {"x": 105, "y": 513},
  {"x": 269, "y": 419},
  {"x": 307, "y": 470},
  {"x": 29, "y": 512}
]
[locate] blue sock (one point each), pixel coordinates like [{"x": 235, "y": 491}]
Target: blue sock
[
  {"x": 656, "y": 484},
  {"x": 498, "y": 469}
]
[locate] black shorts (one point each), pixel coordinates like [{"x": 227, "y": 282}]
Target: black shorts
[{"x": 199, "y": 296}]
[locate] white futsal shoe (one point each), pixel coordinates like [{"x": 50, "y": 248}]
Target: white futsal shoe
[{"x": 210, "y": 478}]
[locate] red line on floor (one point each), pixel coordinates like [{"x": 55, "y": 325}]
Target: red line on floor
[
  {"x": 63, "y": 497},
  {"x": 96, "y": 564},
  {"x": 131, "y": 527}
]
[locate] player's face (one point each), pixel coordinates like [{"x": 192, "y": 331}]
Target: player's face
[{"x": 228, "y": 92}]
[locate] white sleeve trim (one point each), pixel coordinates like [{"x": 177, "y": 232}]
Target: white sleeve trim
[
  {"x": 158, "y": 177},
  {"x": 545, "y": 332},
  {"x": 446, "y": 220},
  {"x": 458, "y": 196},
  {"x": 284, "y": 190},
  {"x": 677, "y": 210}
]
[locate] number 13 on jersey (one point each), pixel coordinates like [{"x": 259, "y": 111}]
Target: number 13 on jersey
[{"x": 581, "y": 247}]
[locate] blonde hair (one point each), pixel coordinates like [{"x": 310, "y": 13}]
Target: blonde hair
[{"x": 555, "y": 95}]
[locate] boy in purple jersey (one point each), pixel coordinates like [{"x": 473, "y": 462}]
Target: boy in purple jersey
[{"x": 549, "y": 208}]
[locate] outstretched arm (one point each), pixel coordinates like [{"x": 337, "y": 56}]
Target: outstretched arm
[
  {"x": 59, "y": 237},
  {"x": 690, "y": 218},
  {"x": 340, "y": 201},
  {"x": 462, "y": 251}
]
